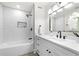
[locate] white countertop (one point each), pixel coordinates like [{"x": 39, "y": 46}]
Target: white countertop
[{"x": 69, "y": 43}]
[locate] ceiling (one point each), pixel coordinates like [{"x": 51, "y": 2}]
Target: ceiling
[
  {"x": 26, "y": 6},
  {"x": 46, "y": 4}
]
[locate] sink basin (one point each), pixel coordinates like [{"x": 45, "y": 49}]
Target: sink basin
[{"x": 70, "y": 40}]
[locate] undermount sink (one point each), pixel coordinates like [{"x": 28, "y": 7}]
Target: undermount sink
[
  {"x": 73, "y": 39},
  {"x": 70, "y": 40}
]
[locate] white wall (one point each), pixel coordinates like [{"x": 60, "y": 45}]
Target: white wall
[
  {"x": 1, "y": 24},
  {"x": 41, "y": 18},
  {"x": 11, "y": 31}
]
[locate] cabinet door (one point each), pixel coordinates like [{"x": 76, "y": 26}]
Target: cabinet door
[
  {"x": 44, "y": 45},
  {"x": 62, "y": 51},
  {"x": 56, "y": 50},
  {"x": 41, "y": 47}
]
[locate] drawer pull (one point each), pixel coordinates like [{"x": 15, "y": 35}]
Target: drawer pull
[
  {"x": 46, "y": 50},
  {"x": 49, "y": 51}
]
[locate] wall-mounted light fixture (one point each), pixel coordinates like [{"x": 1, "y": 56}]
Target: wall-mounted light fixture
[
  {"x": 63, "y": 3},
  {"x": 50, "y": 11},
  {"x": 60, "y": 10},
  {"x": 55, "y": 7},
  {"x": 68, "y": 5},
  {"x": 54, "y": 13}
]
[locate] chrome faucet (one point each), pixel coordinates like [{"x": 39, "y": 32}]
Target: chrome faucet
[{"x": 60, "y": 34}]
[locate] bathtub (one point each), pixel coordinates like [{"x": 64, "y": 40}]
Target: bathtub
[{"x": 15, "y": 48}]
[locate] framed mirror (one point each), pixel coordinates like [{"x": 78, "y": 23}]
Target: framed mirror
[
  {"x": 64, "y": 17},
  {"x": 57, "y": 18}
]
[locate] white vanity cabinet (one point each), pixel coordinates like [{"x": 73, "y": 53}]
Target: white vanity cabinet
[{"x": 47, "y": 48}]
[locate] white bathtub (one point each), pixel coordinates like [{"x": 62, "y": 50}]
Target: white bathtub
[{"x": 15, "y": 48}]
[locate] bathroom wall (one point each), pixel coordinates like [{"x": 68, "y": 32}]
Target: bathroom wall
[
  {"x": 11, "y": 31},
  {"x": 41, "y": 18},
  {"x": 1, "y": 24}
]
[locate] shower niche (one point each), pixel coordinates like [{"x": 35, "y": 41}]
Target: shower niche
[{"x": 21, "y": 24}]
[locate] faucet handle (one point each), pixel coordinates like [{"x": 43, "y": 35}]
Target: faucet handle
[
  {"x": 57, "y": 36},
  {"x": 64, "y": 37}
]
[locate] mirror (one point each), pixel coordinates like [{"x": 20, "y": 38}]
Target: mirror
[
  {"x": 64, "y": 17},
  {"x": 57, "y": 17},
  {"x": 72, "y": 18},
  {"x": 73, "y": 22}
]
